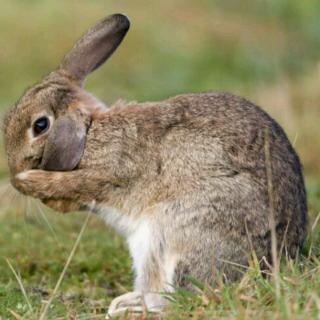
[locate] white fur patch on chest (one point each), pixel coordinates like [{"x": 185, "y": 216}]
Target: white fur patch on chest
[
  {"x": 118, "y": 220},
  {"x": 137, "y": 232},
  {"x": 142, "y": 242}
]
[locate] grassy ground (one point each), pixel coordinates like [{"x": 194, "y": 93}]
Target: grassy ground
[
  {"x": 38, "y": 253},
  {"x": 265, "y": 50},
  {"x": 37, "y": 243}
]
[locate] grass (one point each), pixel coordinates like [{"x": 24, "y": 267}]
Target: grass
[
  {"x": 264, "y": 50},
  {"x": 100, "y": 270},
  {"x": 38, "y": 256}
]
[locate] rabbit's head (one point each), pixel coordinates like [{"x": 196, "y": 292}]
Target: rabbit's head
[{"x": 47, "y": 127}]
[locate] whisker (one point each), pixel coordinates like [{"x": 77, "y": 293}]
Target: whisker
[
  {"x": 24, "y": 210},
  {"x": 28, "y": 212},
  {"x": 5, "y": 188},
  {"x": 47, "y": 222},
  {"x": 8, "y": 195},
  {"x": 32, "y": 215}
]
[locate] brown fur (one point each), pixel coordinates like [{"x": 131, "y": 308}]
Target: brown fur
[{"x": 194, "y": 165}]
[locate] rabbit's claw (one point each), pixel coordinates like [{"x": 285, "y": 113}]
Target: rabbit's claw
[{"x": 130, "y": 303}]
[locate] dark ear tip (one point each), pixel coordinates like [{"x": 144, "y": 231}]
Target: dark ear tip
[{"x": 121, "y": 20}]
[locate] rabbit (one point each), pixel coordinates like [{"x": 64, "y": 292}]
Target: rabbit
[{"x": 194, "y": 183}]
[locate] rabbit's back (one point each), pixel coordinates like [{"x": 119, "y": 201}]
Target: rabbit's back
[
  {"x": 216, "y": 159},
  {"x": 201, "y": 158},
  {"x": 226, "y": 140}
]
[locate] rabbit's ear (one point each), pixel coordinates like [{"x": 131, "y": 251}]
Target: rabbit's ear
[
  {"x": 95, "y": 46},
  {"x": 65, "y": 144}
]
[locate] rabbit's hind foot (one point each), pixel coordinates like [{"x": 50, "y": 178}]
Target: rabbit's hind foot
[{"x": 136, "y": 303}]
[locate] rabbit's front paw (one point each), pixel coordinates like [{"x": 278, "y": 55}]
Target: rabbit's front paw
[
  {"x": 132, "y": 303},
  {"x": 40, "y": 184},
  {"x": 43, "y": 185},
  {"x": 30, "y": 182}
]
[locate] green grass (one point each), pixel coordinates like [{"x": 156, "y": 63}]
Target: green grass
[
  {"x": 100, "y": 270},
  {"x": 266, "y": 50}
]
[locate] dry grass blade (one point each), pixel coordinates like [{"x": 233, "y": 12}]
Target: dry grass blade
[
  {"x": 295, "y": 139},
  {"x": 75, "y": 246},
  {"x": 14, "y": 314},
  {"x": 313, "y": 228},
  {"x": 242, "y": 266},
  {"x": 91, "y": 316},
  {"x": 21, "y": 285},
  {"x": 272, "y": 221}
]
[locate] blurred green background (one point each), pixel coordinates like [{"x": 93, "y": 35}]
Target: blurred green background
[{"x": 265, "y": 50}]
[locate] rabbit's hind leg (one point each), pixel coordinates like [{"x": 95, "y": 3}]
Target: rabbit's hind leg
[{"x": 154, "y": 270}]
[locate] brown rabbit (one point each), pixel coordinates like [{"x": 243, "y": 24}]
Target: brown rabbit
[{"x": 183, "y": 180}]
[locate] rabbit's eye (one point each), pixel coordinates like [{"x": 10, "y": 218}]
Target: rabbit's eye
[{"x": 41, "y": 125}]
